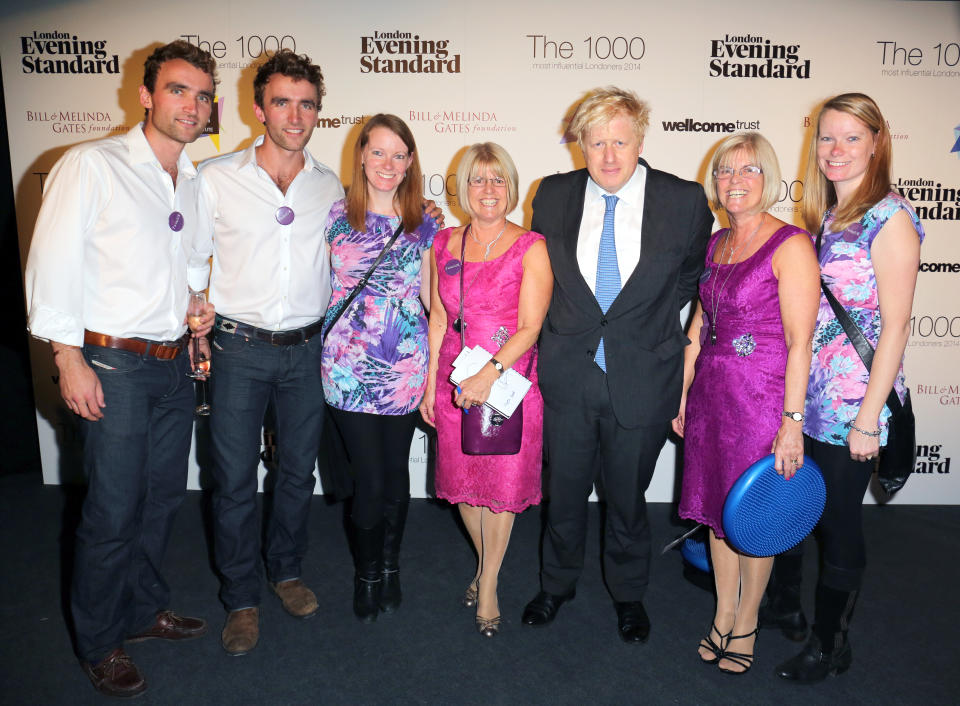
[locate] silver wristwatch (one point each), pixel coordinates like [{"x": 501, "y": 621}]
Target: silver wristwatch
[
  {"x": 795, "y": 416},
  {"x": 498, "y": 365}
]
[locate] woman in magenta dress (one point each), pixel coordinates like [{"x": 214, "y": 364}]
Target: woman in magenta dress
[
  {"x": 507, "y": 284},
  {"x": 745, "y": 374}
]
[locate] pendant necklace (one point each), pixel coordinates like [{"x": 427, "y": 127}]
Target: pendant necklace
[
  {"x": 716, "y": 295},
  {"x": 458, "y": 324},
  {"x": 489, "y": 245}
]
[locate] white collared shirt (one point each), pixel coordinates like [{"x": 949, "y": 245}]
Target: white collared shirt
[
  {"x": 103, "y": 255},
  {"x": 265, "y": 274},
  {"x": 628, "y": 219}
]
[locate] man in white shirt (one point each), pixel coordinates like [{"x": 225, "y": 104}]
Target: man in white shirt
[
  {"x": 263, "y": 212},
  {"x": 627, "y": 245},
  {"x": 106, "y": 284}
]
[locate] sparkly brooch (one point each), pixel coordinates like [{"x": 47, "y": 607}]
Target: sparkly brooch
[
  {"x": 744, "y": 345},
  {"x": 501, "y": 336}
]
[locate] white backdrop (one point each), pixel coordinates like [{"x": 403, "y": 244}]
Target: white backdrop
[{"x": 510, "y": 73}]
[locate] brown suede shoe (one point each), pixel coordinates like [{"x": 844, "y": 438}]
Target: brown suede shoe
[
  {"x": 116, "y": 675},
  {"x": 170, "y": 626},
  {"x": 242, "y": 631},
  {"x": 298, "y": 600}
]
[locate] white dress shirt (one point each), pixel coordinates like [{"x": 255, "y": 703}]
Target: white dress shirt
[
  {"x": 265, "y": 274},
  {"x": 628, "y": 219},
  {"x": 104, "y": 256}
]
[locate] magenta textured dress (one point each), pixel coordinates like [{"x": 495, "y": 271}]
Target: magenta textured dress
[
  {"x": 735, "y": 404},
  {"x": 491, "y": 299}
]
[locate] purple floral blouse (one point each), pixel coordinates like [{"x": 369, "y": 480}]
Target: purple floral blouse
[
  {"x": 375, "y": 358},
  {"x": 838, "y": 378}
]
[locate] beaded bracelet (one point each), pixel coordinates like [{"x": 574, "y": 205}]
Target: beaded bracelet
[{"x": 864, "y": 432}]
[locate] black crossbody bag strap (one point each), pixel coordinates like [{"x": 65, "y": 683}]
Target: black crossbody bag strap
[
  {"x": 363, "y": 280},
  {"x": 859, "y": 341}
]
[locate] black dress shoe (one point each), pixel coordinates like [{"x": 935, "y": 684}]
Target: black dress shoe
[
  {"x": 543, "y": 608},
  {"x": 632, "y": 621}
]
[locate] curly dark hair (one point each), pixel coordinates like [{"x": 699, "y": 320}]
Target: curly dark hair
[
  {"x": 286, "y": 63},
  {"x": 179, "y": 49}
]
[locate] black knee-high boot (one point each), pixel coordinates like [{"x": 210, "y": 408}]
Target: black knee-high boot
[
  {"x": 367, "y": 583},
  {"x": 828, "y": 649},
  {"x": 783, "y": 608},
  {"x": 395, "y": 518}
]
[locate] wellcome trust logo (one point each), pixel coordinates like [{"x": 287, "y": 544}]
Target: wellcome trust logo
[
  {"x": 406, "y": 53},
  {"x": 65, "y": 53},
  {"x": 753, "y": 56},
  {"x": 714, "y": 126},
  {"x": 340, "y": 121}
]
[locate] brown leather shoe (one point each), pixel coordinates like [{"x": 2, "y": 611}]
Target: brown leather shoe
[
  {"x": 170, "y": 626},
  {"x": 298, "y": 600},
  {"x": 116, "y": 675},
  {"x": 242, "y": 631}
]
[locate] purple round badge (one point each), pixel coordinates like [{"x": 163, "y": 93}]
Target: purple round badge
[
  {"x": 176, "y": 221},
  {"x": 452, "y": 267},
  {"x": 284, "y": 215}
]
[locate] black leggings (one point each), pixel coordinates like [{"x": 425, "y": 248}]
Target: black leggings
[
  {"x": 840, "y": 530},
  {"x": 379, "y": 448}
]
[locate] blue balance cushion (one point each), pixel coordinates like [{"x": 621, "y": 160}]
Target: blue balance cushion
[
  {"x": 765, "y": 515},
  {"x": 694, "y": 552}
]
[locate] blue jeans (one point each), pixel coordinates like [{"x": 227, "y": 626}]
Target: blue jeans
[
  {"x": 135, "y": 459},
  {"x": 245, "y": 375}
]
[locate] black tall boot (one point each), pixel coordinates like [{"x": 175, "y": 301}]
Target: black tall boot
[
  {"x": 367, "y": 583},
  {"x": 828, "y": 650},
  {"x": 783, "y": 608},
  {"x": 395, "y": 518}
]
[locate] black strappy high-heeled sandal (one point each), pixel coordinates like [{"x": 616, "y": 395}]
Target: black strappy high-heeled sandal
[
  {"x": 707, "y": 643},
  {"x": 741, "y": 658}
]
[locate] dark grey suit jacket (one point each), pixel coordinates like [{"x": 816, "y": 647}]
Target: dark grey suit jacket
[{"x": 643, "y": 336}]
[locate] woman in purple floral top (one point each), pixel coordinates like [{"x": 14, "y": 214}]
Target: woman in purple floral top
[
  {"x": 869, "y": 258},
  {"x": 374, "y": 360}
]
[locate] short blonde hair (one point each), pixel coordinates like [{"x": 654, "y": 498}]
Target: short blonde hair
[
  {"x": 605, "y": 104},
  {"x": 761, "y": 154},
  {"x": 477, "y": 159}
]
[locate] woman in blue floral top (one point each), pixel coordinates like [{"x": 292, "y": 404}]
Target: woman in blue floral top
[
  {"x": 869, "y": 258},
  {"x": 375, "y": 357}
]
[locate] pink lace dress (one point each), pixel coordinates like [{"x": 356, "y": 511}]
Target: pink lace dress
[{"x": 491, "y": 300}]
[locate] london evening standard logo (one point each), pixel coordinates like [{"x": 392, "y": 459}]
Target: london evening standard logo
[
  {"x": 65, "y": 53},
  {"x": 713, "y": 126},
  {"x": 406, "y": 53},
  {"x": 930, "y": 199},
  {"x": 753, "y": 56},
  {"x": 930, "y": 458}
]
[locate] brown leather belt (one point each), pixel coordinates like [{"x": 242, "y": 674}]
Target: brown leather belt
[{"x": 163, "y": 351}]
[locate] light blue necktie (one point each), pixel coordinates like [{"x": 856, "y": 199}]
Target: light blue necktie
[{"x": 608, "y": 272}]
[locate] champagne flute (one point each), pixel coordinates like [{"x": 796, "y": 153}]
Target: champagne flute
[{"x": 201, "y": 363}]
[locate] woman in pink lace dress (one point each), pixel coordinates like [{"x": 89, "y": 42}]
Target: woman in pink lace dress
[{"x": 507, "y": 283}]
